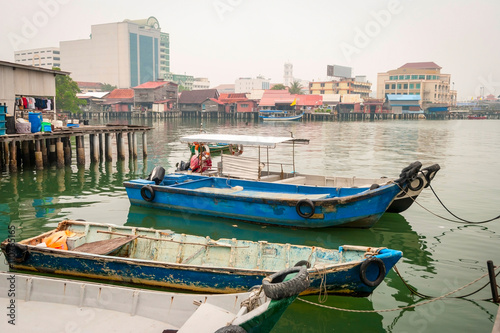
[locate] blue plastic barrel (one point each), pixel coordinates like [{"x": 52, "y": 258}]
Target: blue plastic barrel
[{"x": 35, "y": 119}]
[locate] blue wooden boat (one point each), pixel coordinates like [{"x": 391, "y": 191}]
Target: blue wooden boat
[
  {"x": 286, "y": 205},
  {"x": 167, "y": 259},
  {"x": 278, "y": 115},
  {"x": 261, "y": 168}
]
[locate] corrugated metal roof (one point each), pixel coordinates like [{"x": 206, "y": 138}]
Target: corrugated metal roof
[
  {"x": 197, "y": 96},
  {"x": 151, "y": 85}
]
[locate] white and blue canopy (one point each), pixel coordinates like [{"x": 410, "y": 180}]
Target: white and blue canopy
[{"x": 249, "y": 140}]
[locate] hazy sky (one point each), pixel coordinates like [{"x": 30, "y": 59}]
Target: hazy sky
[{"x": 227, "y": 39}]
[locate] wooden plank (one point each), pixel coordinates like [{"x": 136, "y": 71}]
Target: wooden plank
[{"x": 105, "y": 246}]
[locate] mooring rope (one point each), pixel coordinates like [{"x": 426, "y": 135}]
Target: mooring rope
[
  {"x": 399, "y": 308},
  {"x": 442, "y": 204},
  {"x": 461, "y": 219},
  {"x": 419, "y": 294}
]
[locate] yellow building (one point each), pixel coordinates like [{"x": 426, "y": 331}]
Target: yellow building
[
  {"x": 342, "y": 87},
  {"x": 418, "y": 78}
]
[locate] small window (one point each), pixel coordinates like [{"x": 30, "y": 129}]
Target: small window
[
  {"x": 387, "y": 86},
  {"x": 418, "y": 85},
  {"x": 321, "y": 91},
  {"x": 414, "y": 77},
  {"x": 401, "y": 77},
  {"x": 399, "y": 85},
  {"x": 412, "y": 85},
  {"x": 421, "y": 77},
  {"x": 393, "y": 86},
  {"x": 405, "y": 86},
  {"x": 407, "y": 77}
]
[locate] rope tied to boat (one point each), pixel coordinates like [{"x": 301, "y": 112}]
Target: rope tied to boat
[
  {"x": 373, "y": 251},
  {"x": 399, "y": 308},
  {"x": 253, "y": 301},
  {"x": 461, "y": 220}
]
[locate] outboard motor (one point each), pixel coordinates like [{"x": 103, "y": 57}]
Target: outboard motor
[
  {"x": 183, "y": 166},
  {"x": 157, "y": 175}
]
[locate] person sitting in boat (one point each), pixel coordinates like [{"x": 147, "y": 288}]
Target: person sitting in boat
[{"x": 201, "y": 162}]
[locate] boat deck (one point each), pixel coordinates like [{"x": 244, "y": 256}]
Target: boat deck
[{"x": 239, "y": 191}]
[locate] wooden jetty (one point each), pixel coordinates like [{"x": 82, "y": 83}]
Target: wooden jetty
[{"x": 45, "y": 149}]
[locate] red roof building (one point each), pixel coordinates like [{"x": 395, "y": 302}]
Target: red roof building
[
  {"x": 237, "y": 102},
  {"x": 119, "y": 100},
  {"x": 157, "y": 96},
  {"x": 283, "y": 100}
]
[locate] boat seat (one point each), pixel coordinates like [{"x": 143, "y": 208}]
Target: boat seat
[
  {"x": 207, "y": 318},
  {"x": 300, "y": 180},
  {"x": 106, "y": 246},
  {"x": 270, "y": 178},
  {"x": 240, "y": 191}
]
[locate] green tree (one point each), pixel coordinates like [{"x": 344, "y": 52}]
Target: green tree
[
  {"x": 295, "y": 88},
  {"x": 182, "y": 88},
  {"x": 107, "y": 87},
  {"x": 66, "y": 90},
  {"x": 279, "y": 86}
]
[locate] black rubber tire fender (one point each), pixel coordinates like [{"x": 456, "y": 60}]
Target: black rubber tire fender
[
  {"x": 144, "y": 193},
  {"x": 419, "y": 186},
  {"x": 307, "y": 203},
  {"x": 276, "y": 288},
  {"x": 303, "y": 263},
  {"x": 364, "y": 267},
  {"x": 231, "y": 329}
]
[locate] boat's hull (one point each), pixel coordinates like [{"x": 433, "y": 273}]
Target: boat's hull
[
  {"x": 264, "y": 203},
  {"x": 344, "y": 279},
  {"x": 294, "y": 118}
]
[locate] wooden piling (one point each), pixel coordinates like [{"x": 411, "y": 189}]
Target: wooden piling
[
  {"x": 45, "y": 157},
  {"x": 60, "y": 153},
  {"x": 52, "y": 151},
  {"x": 130, "y": 145},
  {"x": 13, "y": 157},
  {"x": 134, "y": 145},
  {"x": 107, "y": 147},
  {"x": 120, "y": 147},
  {"x": 38, "y": 155},
  {"x": 144, "y": 145},
  {"x": 25, "y": 155},
  {"x": 80, "y": 150},
  {"x": 67, "y": 151}
]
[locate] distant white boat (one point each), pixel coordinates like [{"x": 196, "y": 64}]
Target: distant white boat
[{"x": 278, "y": 115}]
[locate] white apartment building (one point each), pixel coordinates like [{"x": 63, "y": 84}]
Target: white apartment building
[
  {"x": 247, "y": 84},
  {"x": 201, "y": 83},
  {"x": 124, "y": 54},
  {"x": 46, "y": 57}
]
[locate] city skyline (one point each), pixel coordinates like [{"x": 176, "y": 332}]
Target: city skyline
[{"x": 227, "y": 39}]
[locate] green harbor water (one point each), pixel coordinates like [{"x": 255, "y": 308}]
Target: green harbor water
[{"x": 439, "y": 255}]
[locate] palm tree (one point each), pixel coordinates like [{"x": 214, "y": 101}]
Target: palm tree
[{"x": 295, "y": 88}]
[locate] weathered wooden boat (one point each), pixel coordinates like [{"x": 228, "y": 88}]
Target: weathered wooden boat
[
  {"x": 278, "y": 115},
  {"x": 235, "y": 166},
  {"x": 286, "y": 205},
  {"x": 60, "y": 305},
  {"x": 167, "y": 259}
]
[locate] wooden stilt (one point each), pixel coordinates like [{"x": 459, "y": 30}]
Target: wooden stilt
[
  {"x": 144, "y": 145},
  {"x": 13, "y": 157},
  {"x": 60, "y": 153},
  {"x": 107, "y": 147},
  {"x": 38, "y": 155}
]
